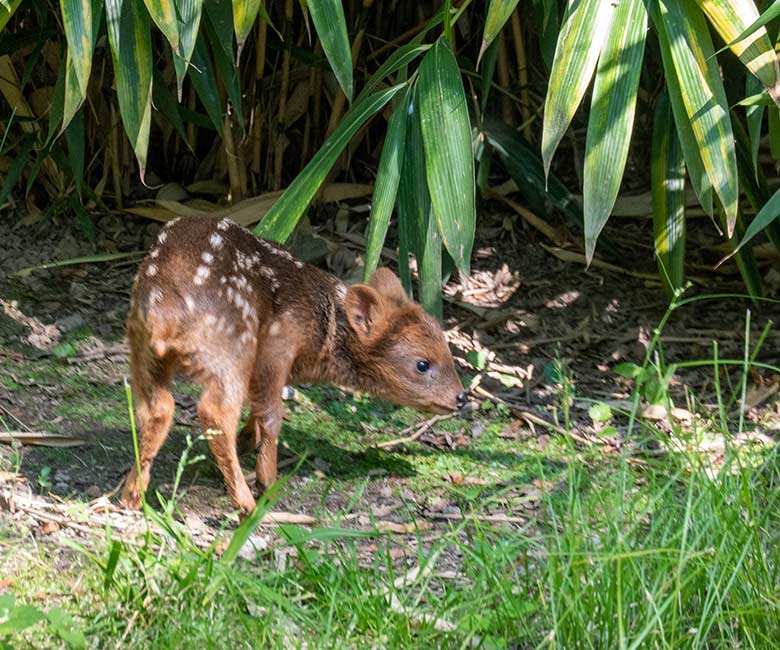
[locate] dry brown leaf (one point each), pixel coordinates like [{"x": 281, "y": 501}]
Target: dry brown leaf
[
  {"x": 42, "y": 438},
  {"x": 401, "y": 529}
]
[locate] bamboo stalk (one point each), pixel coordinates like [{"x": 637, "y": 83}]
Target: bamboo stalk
[
  {"x": 522, "y": 73},
  {"x": 257, "y": 115},
  {"x": 502, "y": 69},
  {"x": 281, "y": 140},
  {"x": 116, "y": 173},
  {"x": 231, "y": 161}
]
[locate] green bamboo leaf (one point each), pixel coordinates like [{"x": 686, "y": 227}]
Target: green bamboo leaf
[
  {"x": 766, "y": 216},
  {"x": 280, "y": 220},
  {"x": 190, "y": 12},
  {"x": 129, "y": 34},
  {"x": 498, "y": 13},
  {"x": 163, "y": 13},
  {"x": 386, "y": 185},
  {"x": 429, "y": 265},
  {"x": 244, "y": 14},
  {"x": 74, "y": 135},
  {"x": 205, "y": 83},
  {"x": 754, "y": 116},
  {"x": 773, "y": 120},
  {"x": 74, "y": 92},
  {"x": 693, "y": 161},
  {"x": 403, "y": 56},
  {"x": 220, "y": 35},
  {"x": 585, "y": 28},
  {"x": 331, "y": 26},
  {"x": 449, "y": 160},
  {"x": 165, "y": 102},
  {"x": 7, "y": 10},
  {"x": 667, "y": 180},
  {"x": 612, "y": 116},
  {"x": 746, "y": 262},
  {"x": 77, "y": 25},
  {"x": 731, "y": 18},
  {"x": 704, "y": 98}
]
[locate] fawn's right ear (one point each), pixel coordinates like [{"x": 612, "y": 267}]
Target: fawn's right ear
[
  {"x": 387, "y": 283},
  {"x": 365, "y": 312}
]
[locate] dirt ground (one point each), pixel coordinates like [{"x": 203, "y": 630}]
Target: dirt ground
[{"x": 64, "y": 364}]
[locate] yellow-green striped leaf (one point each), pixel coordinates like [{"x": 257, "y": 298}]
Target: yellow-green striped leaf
[
  {"x": 280, "y": 220},
  {"x": 220, "y": 36},
  {"x": 667, "y": 180},
  {"x": 612, "y": 116},
  {"x": 386, "y": 185},
  {"x": 163, "y": 13},
  {"x": 731, "y": 18},
  {"x": 704, "y": 98},
  {"x": 244, "y": 15},
  {"x": 754, "y": 116},
  {"x": 190, "y": 12},
  {"x": 331, "y": 26},
  {"x": 584, "y": 30},
  {"x": 497, "y": 14},
  {"x": 449, "y": 160},
  {"x": 75, "y": 93},
  {"x": 131, "y": 53},
  {"x": 7, "y": 10},
  {"x": 767, "y": 215},
  {"x": 77, "y": 25},
  {"x": 693, "y": 161}
]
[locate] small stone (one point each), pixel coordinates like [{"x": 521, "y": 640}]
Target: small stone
[{"x": 93, "y": 491}]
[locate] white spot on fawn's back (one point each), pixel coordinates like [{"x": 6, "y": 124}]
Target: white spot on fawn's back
[
  {"x": 151, "y": 270},
  {"x": 275, "y": 329},
  {"x": 224, "y": 224},
  {"x": 216, "y": 240},
  {"x": 155, "y": 296},
  {"x": 154, "y": 253},
  {"x": 190, "y": 304},
  {"x": 201, "y": 274},
  {"x": 207, "y": 257},
  {"x": 162, "y": 237}
]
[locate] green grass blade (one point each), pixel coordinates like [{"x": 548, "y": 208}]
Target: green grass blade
[
  {"x": 612, "y": 116},
  {"x": 7, "y": 9},
  {"x": 77, "y": 24},
  {"x": 244, "y": 14},
  {"x": 667, "y": 180},
  {"x": 386, "y": 185},
  {"x": 731, "y": 18},
  {"x": 704, "y": 98},
  {"x": 449, "y": 160},
  {"x": 693, "y": 161},
  {"x": 584, "y": 30},
  {"x": 498, "y": 13},
  {"x": 331, "y": 26},
  {"x": 280, "y": 220},
  {"x": 131, "y": 53}
]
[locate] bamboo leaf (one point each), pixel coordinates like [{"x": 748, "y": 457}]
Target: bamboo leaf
[
  {"x": 282, "y": 217},
  {"x": 190, "y": 13},
  {"x": 667, "y": 180},
  {"x": 693, "y": 160},
  {"x": 449, "y": 160},
  {"x": 131, "y": 53},
  {"x": 704, "y": 98},
  {"x": 754, "y": 117},
  {"x": 731, "y": 18},
  {"x": 612, "y": 116},
  {"x": 585, "y": 27},
  {"x": 205, "y": 83},
  {"x": 403, "y": 56},
  {"x": 7, "y": 10},
  {"x": 772, "y": 12},
  {"x": 331, "y": 26},
  {"x": 386, "y": 185},
  {"x": 74, "y": 92},
  {"x": 244, "y": 15},
  {"x": 429, "y": 265},
  {"x": 220, "y": 35},
  {"x": 77, "y": 25},
  {"x": 762, "y": 220},
  {"x": 498, "y": 13},
  {"x": 163, "y": 13}
]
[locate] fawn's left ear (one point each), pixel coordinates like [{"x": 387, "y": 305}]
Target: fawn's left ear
[
  {"x": 389, "y": 286},
  {"x": 365, "y": 312}
]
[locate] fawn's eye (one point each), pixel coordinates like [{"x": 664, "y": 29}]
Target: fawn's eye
[{"x": 423, "y": 365}]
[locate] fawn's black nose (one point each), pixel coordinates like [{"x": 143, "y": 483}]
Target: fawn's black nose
[{"x": 461, "y": 399}]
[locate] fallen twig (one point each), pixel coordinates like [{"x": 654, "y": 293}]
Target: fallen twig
[
  {"x": 42, "y": 438},
  {"x": 419, "y": 431}
]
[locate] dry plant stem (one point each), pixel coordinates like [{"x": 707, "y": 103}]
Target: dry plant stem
[
  {"x": 532, "y": 220},
  {"x": 502, "y": 70},
  {"x": 116, "y": 170},
  {"x": 409, "y": 33},
  {"x": 522, "y": 73},
  {"x": 419, "y": 431},
  {"x": 257, "y": 122},
  {"x": 532, "y": 417},
  {"x": 281, "y": 140},
  {"x": 232, "y": 161}
]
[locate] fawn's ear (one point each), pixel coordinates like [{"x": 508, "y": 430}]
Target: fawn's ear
[
  {"x": 365, "y": 312},
  {"x": 389, "y": 286}
]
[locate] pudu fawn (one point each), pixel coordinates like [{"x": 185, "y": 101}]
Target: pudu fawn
[{"x": 243, "y": 318}]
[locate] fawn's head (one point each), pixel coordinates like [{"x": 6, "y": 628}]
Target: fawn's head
[{"x": 400, "y": 350}]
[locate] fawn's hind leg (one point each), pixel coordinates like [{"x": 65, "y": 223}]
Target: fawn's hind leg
[
  {"x": 219, "y": 410},
  {"x": 154, "y": 407}
]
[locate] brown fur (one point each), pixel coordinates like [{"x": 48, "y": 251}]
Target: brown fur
[{"x": 244, "y": 318}]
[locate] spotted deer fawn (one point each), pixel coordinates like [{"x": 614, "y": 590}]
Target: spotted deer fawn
[{"x": 243, "y": 318}]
